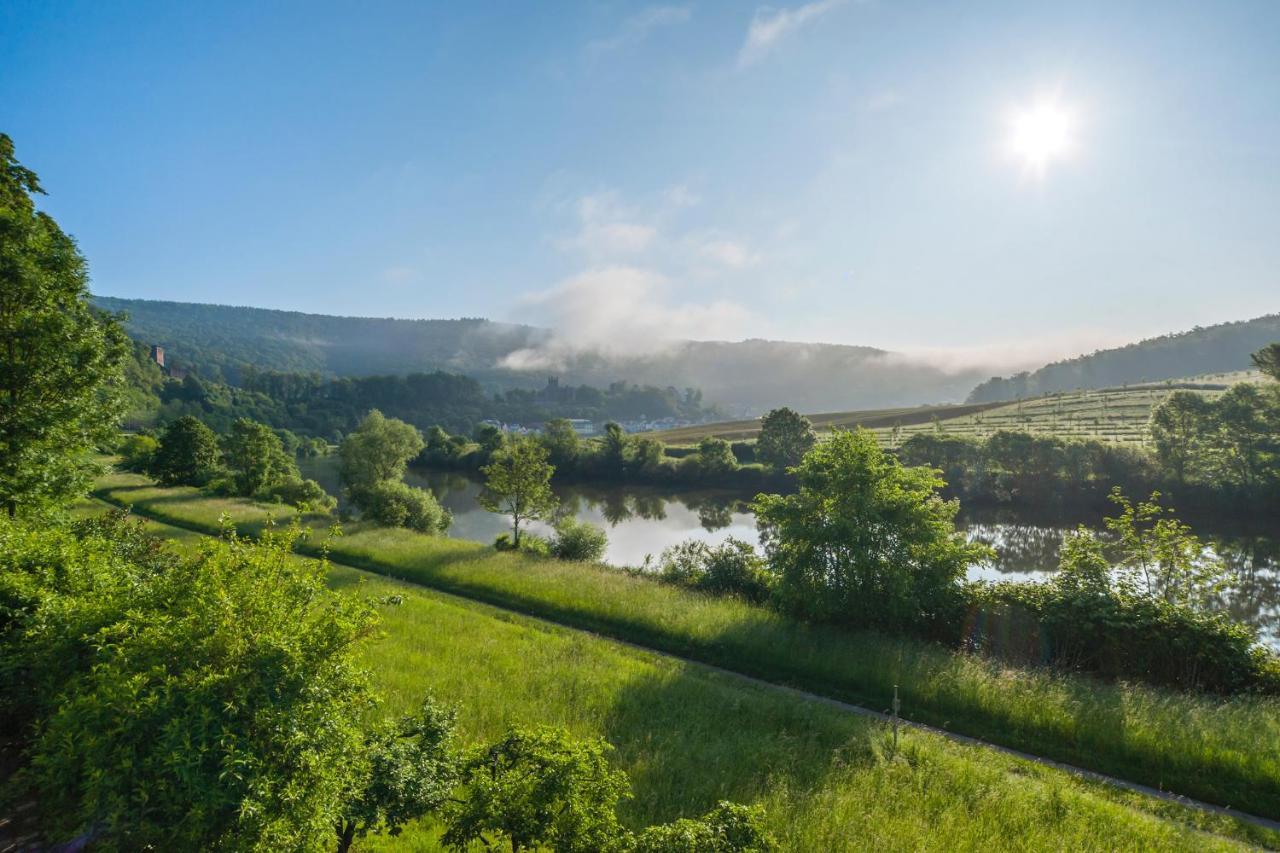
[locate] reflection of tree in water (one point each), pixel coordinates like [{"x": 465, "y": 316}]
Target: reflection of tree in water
[
  {"x": 649, "y": 507},
  {"x": 1254, "y": 593},
  {"x": 614, "y": 508},
  {"x": 1020, "y": 547}
]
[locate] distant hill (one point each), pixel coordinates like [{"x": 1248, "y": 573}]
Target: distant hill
[
  {"x": 1210, "y": 349},
  {"x": 745, "y": 377}
]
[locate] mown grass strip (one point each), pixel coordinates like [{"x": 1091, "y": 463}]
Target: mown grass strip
[{"x": 1207, "y": 748}]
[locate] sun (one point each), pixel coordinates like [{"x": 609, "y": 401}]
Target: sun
[{"x": 1041, "y": 134}]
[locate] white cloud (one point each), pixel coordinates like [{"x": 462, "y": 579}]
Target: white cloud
[
  {"x": 638, "y": 27},
  {"x": 606, "y": 229},
  {"x": 769, "y": 26},
  {"x": 729, "y": 253},
  {"x": 680, "y": 195},
  {"x": 620, "y": 311}
]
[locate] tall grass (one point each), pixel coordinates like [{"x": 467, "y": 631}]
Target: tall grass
[
  {"x": 1215, "y": 749},
  {"x": 688, "y": 737}
]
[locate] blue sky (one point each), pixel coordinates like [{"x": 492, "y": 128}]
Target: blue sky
[{"x": 834, "y": 171}]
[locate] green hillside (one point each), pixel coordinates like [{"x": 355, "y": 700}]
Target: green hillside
[{"x": 1209, "y": 349}]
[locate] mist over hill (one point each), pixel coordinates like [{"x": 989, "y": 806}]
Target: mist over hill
[
  {"x": 744, "y": 377},
  {"x": 1207, "y": 349}
]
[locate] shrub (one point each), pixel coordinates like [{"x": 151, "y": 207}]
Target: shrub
[
  {"x": 579, "y": 540},
  {"x": 730, "y": 568},
  {"x": 136, "y": 453},
  {"x": 395, "y": 504},
  {"x": 298, "y": 492},
  {"x": 728, "y": 828},
  {"x": 529, "y": 544}
]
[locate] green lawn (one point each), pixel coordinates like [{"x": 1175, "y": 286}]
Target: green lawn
[
  {"x": 688, "y": 737},
  {"x": 1204, "y": 747}
]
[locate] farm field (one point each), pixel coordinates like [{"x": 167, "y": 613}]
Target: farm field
[
  {"x": 1116, "y": 415},
  {"x": 1201, "y": 747},
  {"x": 828, "y": 780}
]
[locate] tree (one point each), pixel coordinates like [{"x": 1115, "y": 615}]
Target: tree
[
  {"x": 1160, "y": 558},
  {"x": 412, "y": 771},
  {"x": 1177, "y": 432},
  {"x": 785, "y": 437},
  {"x": 256, "y": 457},
  {"x": 727, "y": 828},
  {"x": 540, "y": 788},
  {"x": 561, "y": 441},
  {"x": 865, "y": 541},
  {"x": 1267, "y": 360},
  {"x": 215, "y": 701},
  {"x": 518, "y": 484},
  {"x": 396, "y": 504},
  {"x": 188, "y": 454},
  {"x": 613, "y": 448},
  {"x": 137, "y": 453},
  {"x": 61, "y": 362},
  {"x": 715, "y": 456},
  {"x": 376, "y": 451}
]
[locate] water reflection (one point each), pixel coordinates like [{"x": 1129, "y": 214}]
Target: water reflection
[{"x": 643, "y": 521}]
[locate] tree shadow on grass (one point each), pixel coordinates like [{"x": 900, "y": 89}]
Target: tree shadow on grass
[{"x": 690, "y": 738}]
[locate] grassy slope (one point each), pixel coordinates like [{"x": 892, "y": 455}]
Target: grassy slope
[
  {"x": 1114, "y": 414},
  {"x": 688, "y": 737},
  {"x": 1196, "y": 746}
]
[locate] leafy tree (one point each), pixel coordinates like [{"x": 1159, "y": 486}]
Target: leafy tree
[
  {"x": 61, "y": 361},
  {"x": 256, "y": 457},
  {"x": 715, "y": 456},
  {"x": 540, "y": 788},
  {"x": 785, "y": 437},
  {"x": 188, "y": 454},
  {"x": 613, "y": 447},
  {"x": 378, "y": 450},
  {"x": 214, "y": 701},
  {"x": 412, "y": 771},
  {"x": 646, "y": 453},
  {"x": 1177, "y": 428},
  {"x": 1267, "y": 360},
  {"x": 865, "y": 541},
  {"x": 518, "y": 484},
  {"x": 489, "y": 437},
  {"x": 1160, "y": 558},
  {"x": 561, "y": 441}
]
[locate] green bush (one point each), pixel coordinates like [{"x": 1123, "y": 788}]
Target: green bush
[
  {"x": 530, "y": 543},
  {"x": 395, "y": 504},
  {"x": 136, "y": 453},
  {"x": 301, "y": 493},
  {"x": 579, "y": 540},
  {"x": 730, "y": 568}
]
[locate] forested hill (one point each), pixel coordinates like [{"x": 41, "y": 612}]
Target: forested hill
[
  {"x": 221, "y": 340},
  {"x": 743, "y": 377},
  {"x": 1209, "y": 349}
]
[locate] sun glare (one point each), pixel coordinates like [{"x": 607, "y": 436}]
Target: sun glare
[{"x": 1041, "y": 134}]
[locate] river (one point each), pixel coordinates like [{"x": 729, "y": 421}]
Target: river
[{"x": 642, "y": 521}]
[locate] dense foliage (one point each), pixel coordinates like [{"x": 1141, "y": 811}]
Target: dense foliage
[
  {"x": 518, "y": 484},
  {"x": 374, "y": 459},
  {"x": 60, "y": 359},
  {"x": 865, "y": 541},
  {"x": 785, "y": 437}
]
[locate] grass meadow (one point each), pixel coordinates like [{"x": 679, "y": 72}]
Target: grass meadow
[
  {"x": 688, "y": 736},
  {"x": 1201, "y": 746}
]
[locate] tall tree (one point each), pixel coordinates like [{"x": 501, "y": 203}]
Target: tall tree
[
  {"x": 61, "y": 361},
  {"x": 518, "y": 484},
  {"x": 256, "y": 457},
  {"x": 785, "y": 437},
  {"x": 1267, "y": 360},
  {"x": 188, "y": 454},
  {"x": 377, "y": 451}
]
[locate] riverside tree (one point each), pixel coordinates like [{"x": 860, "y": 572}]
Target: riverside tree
[
  {"x": 518, "y": 484},
  {"x": 785, "y": 437},
  {"x": 188, "y": 454},
  {"x": 374, "y": 459},
  {"x": 865, "y": 541},
  {"x": 60, "y": 360}
]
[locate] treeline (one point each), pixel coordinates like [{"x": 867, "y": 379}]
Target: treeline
[
  {"x": 1210, "y": 454},
  {"x": 314, "y": 405},
  {"x": 1212, "y": 349},
  {"x": 867, "y": 542}
]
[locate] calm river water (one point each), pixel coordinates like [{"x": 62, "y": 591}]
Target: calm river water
[{"x": 642, "y": 521}]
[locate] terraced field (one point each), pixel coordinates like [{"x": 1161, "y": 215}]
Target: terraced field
[{"x": 1114, "y": 414}]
